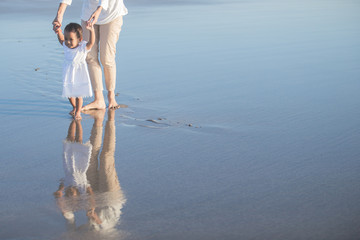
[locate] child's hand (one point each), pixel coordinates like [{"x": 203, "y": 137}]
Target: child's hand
[
  {"x": 56, "y": 24},
  {"x": 90, "y": 27},
  {"x": 58, "y": 194},
  {"x": 58, "y": 30}
]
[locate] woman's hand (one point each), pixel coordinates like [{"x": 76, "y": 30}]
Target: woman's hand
[
  {"x": 94, "y": 17},
  {"x": 59, "y": 17},
  {"x": 56, "y": 23}
]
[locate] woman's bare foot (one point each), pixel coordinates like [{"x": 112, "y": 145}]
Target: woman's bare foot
[
  {"x": 112, "y": 102},
  {"x": 98, "y": 116},
  {"x": 96, "y": 104}
]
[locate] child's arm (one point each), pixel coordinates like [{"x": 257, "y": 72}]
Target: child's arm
[
  {"x": 91, "y": 41},
  {"x": 60, "y": 36},
  {"x": 59, "y": 192}
]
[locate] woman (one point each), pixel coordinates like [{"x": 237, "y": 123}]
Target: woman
[{"x": 107, "y": 18}]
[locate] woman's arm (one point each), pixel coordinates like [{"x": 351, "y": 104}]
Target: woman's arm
[
  {"x": 94, "y": 17},
  {"x": 59, "y": 16},
  {"x": 91, "y": 41}
]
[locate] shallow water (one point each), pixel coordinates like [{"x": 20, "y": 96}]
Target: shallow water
[{"x": 243, "y": 123}]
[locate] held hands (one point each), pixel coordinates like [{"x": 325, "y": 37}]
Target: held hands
[
  {"x": 59, "y": 192},
  {"x": 58, "y": 31},
  {"x": 57, "y": 24},
  {"x": 90, "y": 27},
  {"x": 93, "y": 18}
]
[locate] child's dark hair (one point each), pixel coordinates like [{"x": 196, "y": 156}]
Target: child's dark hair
[{"x": 74, "y": 27}]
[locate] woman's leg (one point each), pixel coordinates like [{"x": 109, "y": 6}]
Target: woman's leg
[
  {"x": 96, "y": 141},
  {"x": 109, "y": 34},
  {"x": 108, "y": 178},
  {"x": 94, "y": 67}
]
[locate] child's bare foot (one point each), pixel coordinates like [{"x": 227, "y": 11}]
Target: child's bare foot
[
  {"x": 73, "y": 104},
  {"x": 98, "y": 104},
  {"x": 77, "y": 116}
]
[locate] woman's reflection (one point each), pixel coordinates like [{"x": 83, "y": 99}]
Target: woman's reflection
[{"x": 91, "y": 182}]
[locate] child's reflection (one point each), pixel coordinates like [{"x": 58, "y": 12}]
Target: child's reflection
[
  {"x": 76, "y": 159},
  {"x": 91, "y": 182}
]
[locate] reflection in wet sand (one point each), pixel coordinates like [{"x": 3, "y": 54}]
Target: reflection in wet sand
[{"x": 91, "y": 182}]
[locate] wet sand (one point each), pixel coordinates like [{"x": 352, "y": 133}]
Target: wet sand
[{"x": 242, "y": 123}]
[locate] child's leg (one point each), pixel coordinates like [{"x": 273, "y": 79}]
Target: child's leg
[
  {"x": 71, "y": 132},
  {"x": 79, "y": 132},
  {"x": 79, "y": 103},
  {"x": 72, "y": 101}
]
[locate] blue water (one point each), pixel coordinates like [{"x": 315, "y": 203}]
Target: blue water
[{"x": 243, "y": 121}]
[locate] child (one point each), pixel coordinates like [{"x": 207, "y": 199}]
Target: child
[
  {"x": 76, "y": 160},
  {"x": 76, "y": 80}
]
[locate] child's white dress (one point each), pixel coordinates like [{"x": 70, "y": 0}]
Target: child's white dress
[
  {"x": 76, "y": 160},
  {"x": 76, "y": 79}
]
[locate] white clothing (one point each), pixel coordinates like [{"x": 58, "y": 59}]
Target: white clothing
[
  {"x": 76, "y": 160},
  {"x": 76, "y": 79},
  {"x": 112, "y": 9}
]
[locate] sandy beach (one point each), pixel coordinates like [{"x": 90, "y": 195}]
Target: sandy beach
[{"x": 242, "y": 123}]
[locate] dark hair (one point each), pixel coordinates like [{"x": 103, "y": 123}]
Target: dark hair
[{"x": 74, "y": 27}]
